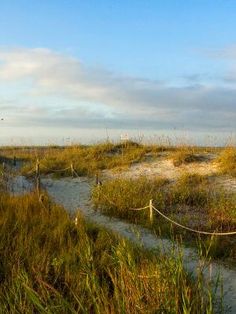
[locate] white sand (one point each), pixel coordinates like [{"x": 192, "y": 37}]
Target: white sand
[
  {"x": 75, "y": 193},
  {"x": 165, "y": 168}
]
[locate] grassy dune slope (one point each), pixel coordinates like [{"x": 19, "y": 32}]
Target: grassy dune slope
[
  {"x": 190, "y": 200},
  {"x": 49, "y": 265}
]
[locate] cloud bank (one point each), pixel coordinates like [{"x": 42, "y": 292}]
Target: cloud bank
[{"x": 46, "y": 89}]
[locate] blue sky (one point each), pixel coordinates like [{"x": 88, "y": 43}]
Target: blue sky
[{"x": 76, "y": 68}]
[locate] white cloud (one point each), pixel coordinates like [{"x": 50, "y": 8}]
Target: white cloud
[{"x": 64, "y": 92}]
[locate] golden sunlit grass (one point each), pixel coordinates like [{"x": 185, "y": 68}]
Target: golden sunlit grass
[
  {"x": 90, "y": 159},
  {"x": 49, "y": 265},
  {"x": 185, "y": 156},
  {"x": 227, "y": 161},
  {"x": 191, "y": 195}
]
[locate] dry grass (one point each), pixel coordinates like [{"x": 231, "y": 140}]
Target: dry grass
[
  {"x": 190, "y": 200},
  {"x": 186, "y": 155},
  {"x": 90, "y": 159},
  {"x": 227, "y": 161},
  {"x": 49, "y": 265}
]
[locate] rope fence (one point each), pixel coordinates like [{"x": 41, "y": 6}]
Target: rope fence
[
  {"x": 138, "y": 209},
  {"x": 193, "y": 230},
  {"x": 151, "y": 208},
  {"x": 55, "y": 170}
]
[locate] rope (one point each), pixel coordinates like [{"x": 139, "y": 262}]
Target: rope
[
  {"x": 41, "y": 199},
  {"x": 193, "y": 230},
  {"x": 56, "y": 170},
  {"x": 29, "y": 172},
  {"x": 75, "y": 172},
  {"x": 139, "y": 208},
  {"x": 32, "y": 171},
  {"x": 142, "y": 208}
]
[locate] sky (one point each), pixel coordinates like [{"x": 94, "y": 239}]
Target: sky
[{"x": 84, "y": 70}]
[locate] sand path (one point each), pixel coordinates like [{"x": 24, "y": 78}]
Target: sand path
[{"x": 75, "y": 193}]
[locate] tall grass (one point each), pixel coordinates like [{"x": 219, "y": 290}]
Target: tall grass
[
  {"x": 185, "y": 155},
  {"x": 191, "y": 200},
  {"x": 49, "y": 265},
  {"x": 90, "y": 159},
  {"x": 227, "y": 161},
  {"x": 117, "y": 197},
  {"x": 192, "y": 190}
]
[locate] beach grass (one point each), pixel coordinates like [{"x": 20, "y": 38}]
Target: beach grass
[
  {"x": 50, "y": 265},
  {"x": 91, "y": 159},
  {"x": 227, "y": 161},
  {"x": 191, "y": 200}
]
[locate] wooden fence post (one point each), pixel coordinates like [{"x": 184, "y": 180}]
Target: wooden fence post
[
  {"x": 3, "y": 171},
  {"x": 72, "y": 169},
  {"x": 150, "y": 211},
  {"x": 37, "y": 169},
  {"x": 98, "y": 181}
]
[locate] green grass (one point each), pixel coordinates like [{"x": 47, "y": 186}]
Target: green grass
[
  {"x": 49, "y": 265},
  {"x": 117, "y": 197},
  {"x": 191, "y": 201}
]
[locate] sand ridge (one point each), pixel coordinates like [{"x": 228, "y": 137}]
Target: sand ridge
[{"x": 164, "y": 167}]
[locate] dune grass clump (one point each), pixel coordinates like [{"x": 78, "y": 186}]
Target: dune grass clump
[
  {"x": 227, "y": 161},
  {"x": 185, "y": 155},
  {"x": 118, "y": 197},
  {"x": 191, "y": 200},
  {"x": 197, "y": 193},
  {"x": 50, "y": 265},
  {"x": 88, "y": 160},
  {"x": 189, "y": 189}
]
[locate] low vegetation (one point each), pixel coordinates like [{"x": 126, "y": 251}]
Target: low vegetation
[
  {"x": 50, "y": 265},
  {"x": 227, "y": 161},
  {"x": 190, "y": 200},
  {"x": 90, "y": 159},
  {"x": 185, "y": 156}
]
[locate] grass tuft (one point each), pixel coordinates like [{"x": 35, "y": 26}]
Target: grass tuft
[{"x": 227, "y": 161}]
